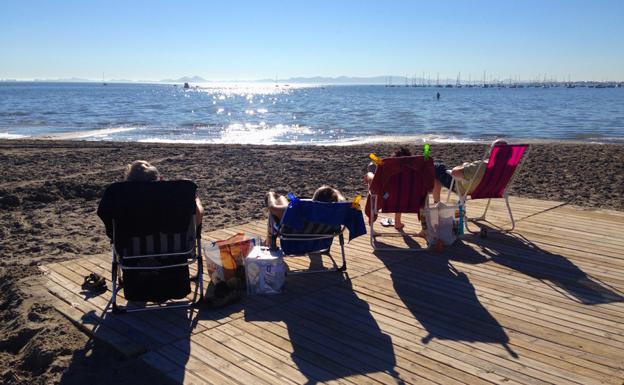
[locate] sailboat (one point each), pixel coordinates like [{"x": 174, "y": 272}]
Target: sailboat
[{"x": 103, "y": 82}]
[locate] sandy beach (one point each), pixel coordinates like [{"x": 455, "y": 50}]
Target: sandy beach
[{"x": 49, "y": 192}]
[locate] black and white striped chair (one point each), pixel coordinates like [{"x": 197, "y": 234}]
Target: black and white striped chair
[{"x": 154, "y": 239}]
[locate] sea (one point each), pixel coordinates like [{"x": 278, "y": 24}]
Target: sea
[{"x": 274, "y": 113}]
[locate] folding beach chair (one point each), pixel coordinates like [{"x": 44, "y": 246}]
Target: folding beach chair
[
  {"x": 503, "y": 164},
  {"x": 154, "y": 240},
  {"x": 310, "y": 227},
  {"x": 400, "y": 185}
]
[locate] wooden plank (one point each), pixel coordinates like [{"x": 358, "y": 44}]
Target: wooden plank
[
  {"x": 433, "y": 282},
  {"x": 64, "y": 302},
  {"x": 403, "y": 329},
  {"x": 409, "y": 366},
  {"x": 524, "y": 350},
  {"x": 278, "y": 350},
  {"x": 543, "y": 330}
]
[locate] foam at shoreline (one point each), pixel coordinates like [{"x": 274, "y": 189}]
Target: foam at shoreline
[
  {"x": 6, "y": 135},
  {"x": 76, "y": 135},
  {"x": 103, "y": 135}
]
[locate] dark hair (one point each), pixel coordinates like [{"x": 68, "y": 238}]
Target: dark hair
[
  {"x": 327, "y": 194},
  {"x": 401, "y": 151}
]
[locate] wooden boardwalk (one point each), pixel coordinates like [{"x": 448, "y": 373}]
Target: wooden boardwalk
[{"x": 542, "y": 305}]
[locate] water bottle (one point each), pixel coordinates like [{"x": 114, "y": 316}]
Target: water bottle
[{"x": 460, "y": 230}]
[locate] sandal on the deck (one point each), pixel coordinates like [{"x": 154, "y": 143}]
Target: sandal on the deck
[
  {"x": 94, "y": 283},
  {"x": 387, "y": 222}
]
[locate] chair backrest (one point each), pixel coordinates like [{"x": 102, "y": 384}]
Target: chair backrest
[
  {"x": 500, "y": 168},
  {"x": 402, "y": 184},
  {"x": 152, "y": 218},
  {"x": 149, "y": 217},
  {"x": 319, "y": 221}
]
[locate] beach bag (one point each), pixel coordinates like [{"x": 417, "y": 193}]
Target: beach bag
[
  {"x": 265, "y": 271},
  {"x": 225, "y": 258},
  {"x": 442, "y": 223}
]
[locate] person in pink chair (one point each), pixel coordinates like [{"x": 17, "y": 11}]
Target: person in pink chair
[{"x": 464, "y": 174}]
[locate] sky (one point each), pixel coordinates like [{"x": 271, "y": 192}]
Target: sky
[{"x": 248, "y": 40}]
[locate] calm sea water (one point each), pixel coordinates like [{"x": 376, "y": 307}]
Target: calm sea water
[{"x": 266, "y": 114}]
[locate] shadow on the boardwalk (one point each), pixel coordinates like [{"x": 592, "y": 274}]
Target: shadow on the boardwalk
[
  {"x": 520, "y": 254},
  {"x": 332, "y": 331},
  {"x": 97, "y": 363},
  {"x": 440, "y": 297}
]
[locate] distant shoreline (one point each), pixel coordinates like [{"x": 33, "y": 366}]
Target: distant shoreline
[{"x": 388, "y": 81}]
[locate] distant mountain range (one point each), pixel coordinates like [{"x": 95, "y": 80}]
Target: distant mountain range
[
  {"x": 306, "y": 80},
  {"x": 186, "y": 79},
  {"x": 342, "y": 80},
  {"x": 386, "y": 79},
  {"x": 391, "y": 80},
  {"x": 398, "y": 80}
]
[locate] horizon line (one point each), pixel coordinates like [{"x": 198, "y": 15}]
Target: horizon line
[{"x": 377, "y": 79}]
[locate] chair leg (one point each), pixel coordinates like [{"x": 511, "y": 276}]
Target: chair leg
[
  {"x": 200, "y": 270},
  {"x": 342, "y": 251},
  {"x": 371, "y": 220},
  {"x": 513, "y": 223},
  {"x": 372, "y": 232},
  {"x": 114, "y": 272},
  {"x": 482, "y": 217},
  {"x": 487, "y": 206},
  {"x": 448, "y": 195}
]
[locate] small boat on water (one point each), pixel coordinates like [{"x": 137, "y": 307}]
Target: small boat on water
[{"x": 186, "y": 86}]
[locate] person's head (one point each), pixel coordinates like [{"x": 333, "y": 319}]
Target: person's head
[
  {"x": 141, "y": 171},
  {"x": 498, "y": 142},
  {"x": 327, "y": 194},
  {"x": 401, "y": 151}
]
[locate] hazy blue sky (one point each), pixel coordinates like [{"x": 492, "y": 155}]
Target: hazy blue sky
[{"x": 238, "y": 40}]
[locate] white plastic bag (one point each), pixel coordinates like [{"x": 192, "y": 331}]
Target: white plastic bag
[
  {"x": 265, "y": 271},
  {"x": 442, "y": 223}
]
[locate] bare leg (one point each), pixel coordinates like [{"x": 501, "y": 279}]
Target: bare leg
[
  {"x": 397, "y": 222},
  {"x": 437, "y": 188}
]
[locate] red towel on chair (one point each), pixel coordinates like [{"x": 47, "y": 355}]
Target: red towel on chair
[{"x": 402, "y": 184}]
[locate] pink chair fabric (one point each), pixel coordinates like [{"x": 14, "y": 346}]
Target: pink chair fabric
[{"x": 500, "y": 168}]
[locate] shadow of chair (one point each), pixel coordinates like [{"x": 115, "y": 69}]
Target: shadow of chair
[
  {"x": 441, "y": 298},
  {"x": 137, "y": 340},
  {"x": 123, "y": 369},
  {"x": 332, "y": 331},
  {"x": 520, "y": 254}
]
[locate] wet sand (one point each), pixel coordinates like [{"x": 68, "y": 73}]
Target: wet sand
[{"x": 49, "y": 191}]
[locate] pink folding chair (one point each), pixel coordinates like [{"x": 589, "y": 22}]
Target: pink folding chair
[
  {"x": 500, "y": 170},
  {"x": 400, "y": 185}
]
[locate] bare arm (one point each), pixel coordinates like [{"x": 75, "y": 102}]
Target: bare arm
[
  {"x": 277, "y": 204},
  {"x": 199, "y": 211},
  {"x": 458, "y": 172}
]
